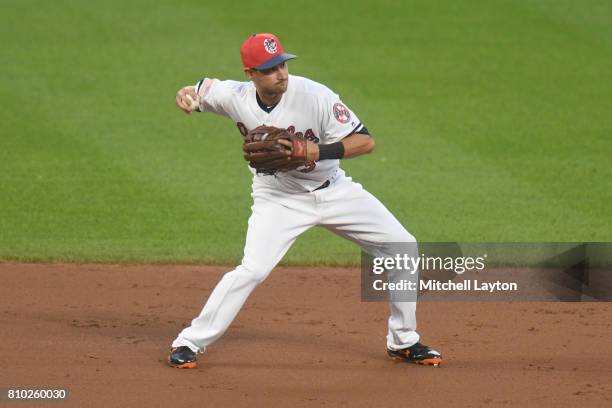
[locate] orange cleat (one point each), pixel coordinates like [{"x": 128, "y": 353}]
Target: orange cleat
[
  {"x": 417, "y": 354},
  {"x": 182, "y": 357}
]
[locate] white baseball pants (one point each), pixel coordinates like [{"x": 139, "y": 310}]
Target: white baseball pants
[{"x": 278, "y": 218}]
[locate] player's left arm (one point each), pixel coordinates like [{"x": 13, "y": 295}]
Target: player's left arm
[
  {"x": 342, "y": 135},
  {"x": 354, "y": 145}
]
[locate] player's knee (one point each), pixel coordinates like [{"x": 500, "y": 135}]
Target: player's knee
[
  {"x": 399, "y": 241},
  {"x": 401, "y": 235},
  {"x": 253, "y": 273},
  {"x": 408, "y": 237}
]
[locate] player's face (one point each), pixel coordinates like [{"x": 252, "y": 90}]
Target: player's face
[{"x": 270, "y": 81}]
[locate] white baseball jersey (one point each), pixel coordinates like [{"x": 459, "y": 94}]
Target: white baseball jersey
[{"x": 307, "y": 107}]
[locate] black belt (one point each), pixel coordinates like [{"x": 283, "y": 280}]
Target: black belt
[{"x": 322, "y": 186}]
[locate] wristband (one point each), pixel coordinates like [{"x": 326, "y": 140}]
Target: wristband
[{"x": 331, "y": 151}]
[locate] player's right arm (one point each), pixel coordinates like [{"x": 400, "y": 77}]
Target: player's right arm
[
  {"x": 211, "y": 95},
  {"x": 182, "y": 98}
]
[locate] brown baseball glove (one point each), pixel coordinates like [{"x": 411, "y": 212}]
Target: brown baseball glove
[{"x": 266, "y": 154}]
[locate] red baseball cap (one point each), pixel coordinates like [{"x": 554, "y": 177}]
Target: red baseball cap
[{"x": 263, "y": 51}]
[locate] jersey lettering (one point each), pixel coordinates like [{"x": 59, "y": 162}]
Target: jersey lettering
[{"x": 307, "y": 108}]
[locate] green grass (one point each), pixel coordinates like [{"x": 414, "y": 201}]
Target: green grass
[{"x": 492, "y": 119}]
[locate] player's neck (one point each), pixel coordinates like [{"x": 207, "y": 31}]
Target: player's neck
[{"x": 269, "y": 99}]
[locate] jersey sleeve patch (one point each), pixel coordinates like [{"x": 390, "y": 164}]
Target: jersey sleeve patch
[{"x": 341, "y": 113}]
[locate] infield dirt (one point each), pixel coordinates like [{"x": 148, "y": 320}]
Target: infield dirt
[{"x": 302, "y": 339}]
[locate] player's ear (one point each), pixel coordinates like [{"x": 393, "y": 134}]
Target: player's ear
[{"x": 249, "y": 73}]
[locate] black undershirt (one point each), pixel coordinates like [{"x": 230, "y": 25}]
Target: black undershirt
[
  {"x": 363, "y": 131},
  {"x": 263, "y": 106}
]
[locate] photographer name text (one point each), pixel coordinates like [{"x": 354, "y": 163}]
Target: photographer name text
[{"x": 435, "y": 285}]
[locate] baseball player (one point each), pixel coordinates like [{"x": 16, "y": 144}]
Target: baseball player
[{"x": 287, "y": 203}]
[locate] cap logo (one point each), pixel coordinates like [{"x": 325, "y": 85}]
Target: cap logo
[
  {"x": 270, "y": 46},
  {"x": 341, "y": 113}
]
